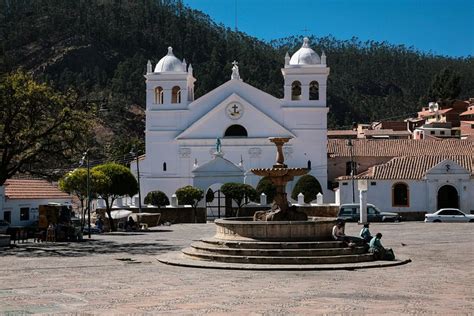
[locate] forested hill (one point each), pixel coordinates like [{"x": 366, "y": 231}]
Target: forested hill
[{"x": 100, "y": 48}]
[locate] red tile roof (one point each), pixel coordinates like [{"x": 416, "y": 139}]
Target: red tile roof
[
  {"x": 33, "y": 189},
  {"x": 400, "y": 147},
  {"x": 410, "y": 167},
  {"x": 432, "y": 113},
  {"x": 468, "y": 112}
]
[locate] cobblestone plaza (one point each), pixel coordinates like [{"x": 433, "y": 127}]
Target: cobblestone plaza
[{"x": 119, "y": 274}]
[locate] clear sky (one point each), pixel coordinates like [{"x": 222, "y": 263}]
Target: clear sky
[{"x": 442, "y": 27}]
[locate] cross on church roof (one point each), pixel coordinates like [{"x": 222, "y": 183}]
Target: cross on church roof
[{"x": 235, "y": 63}]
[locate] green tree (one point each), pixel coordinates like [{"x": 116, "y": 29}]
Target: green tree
[
  {"x": 75, "y": 182},
  {"x": 157, "y": 198},
  {"x": 190, "y": 195},
  {"x": 240, "y": 193},
  {"x": 309, "y": 186},
  {"x": 446, "y": 85},
  {"x": 209, "y": 196},
  {"x": 122, "y": 183},
  {"x": 41, "y": 130},
  {"x": 265, "y": 185}
]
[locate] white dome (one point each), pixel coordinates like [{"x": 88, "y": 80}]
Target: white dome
[
  {"x": 305, "y": 55},
  {"x": 169, "y": 63}
]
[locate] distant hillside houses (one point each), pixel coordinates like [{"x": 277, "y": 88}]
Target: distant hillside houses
[{"x": 443, "y": 119}]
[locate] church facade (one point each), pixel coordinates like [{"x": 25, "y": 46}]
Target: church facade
[{"x": 181, "y": 132}]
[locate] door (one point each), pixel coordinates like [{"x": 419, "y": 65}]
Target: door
[
  {"x": 448, "y": 197},
  {"x": 7, "y": 216}
]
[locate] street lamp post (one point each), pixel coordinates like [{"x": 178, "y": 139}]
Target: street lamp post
[
  {"x": 135, "y": 153},
  {"x": 351, "y": 146},
  {"x": 85, "y": 158}
]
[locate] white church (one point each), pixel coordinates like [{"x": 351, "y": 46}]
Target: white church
[{"x": 181, "y": 132}]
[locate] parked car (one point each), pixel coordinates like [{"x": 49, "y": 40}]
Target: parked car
[
  {"x": 4, "y": 225},
  {"x": 351, "y": 213},
  {"x": 448, "y": 215}
]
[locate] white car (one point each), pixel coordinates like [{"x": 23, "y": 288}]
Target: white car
[{"x": 449, "y": 215}]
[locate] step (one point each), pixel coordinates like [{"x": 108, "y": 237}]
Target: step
[
  {"x": 251, "y": 244},
  {"x": 304, "y": 252},
  {"x": 194, "y": 253}
]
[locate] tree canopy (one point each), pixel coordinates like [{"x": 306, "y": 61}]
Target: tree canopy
[
  {"x": 189, "y": 195},
  {"x": 40, "y": 128},
  {"x": 309, "y": 186},
  {"x": 122, "y": 183},
  {"x": 265, "y": 185},
  {"x": 157, "y": 198},
  {"x": 240, "y": 193}
]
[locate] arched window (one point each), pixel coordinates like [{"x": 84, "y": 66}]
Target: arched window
[
  {"x": 296, "y": 90},
  {"x": 158, "y": 95},
  {"x": 400, "y": 195},
  {"x": 235, "y": 131},
  {"x": 164, "y": 166},
  {"x": 309, "y": 164},
  {"x": 314, "y": 90},
  {"x": 176, "y": 95}
]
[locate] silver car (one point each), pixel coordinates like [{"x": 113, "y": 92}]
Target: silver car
[{"x": 448, "y": 215}]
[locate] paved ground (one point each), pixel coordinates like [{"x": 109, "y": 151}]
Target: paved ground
[{"x": 119, "y": 274}]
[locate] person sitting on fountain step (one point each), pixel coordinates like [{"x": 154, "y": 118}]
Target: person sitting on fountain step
[
  {"x": 338, "y": 233},
  {"x": 365, "y": 233},
  {"x": 379, "y": 251}
]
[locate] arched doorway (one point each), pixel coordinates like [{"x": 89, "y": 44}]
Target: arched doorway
[{"x": 448, "y": 197}]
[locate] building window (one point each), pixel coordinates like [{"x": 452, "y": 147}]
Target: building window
[
  {"x": 344, "y": 183},
  {"x": 158, "y": 95},
  {"x": 432, "y": 132},
  {"x": 235, "y": 131},
  {"x": 24, "y": 214},
  {"x": 373, "y": 183},
  {"x": 309, "y": 164},
  {"x": 164, "y": 166},
  {"x": 400, "y": 193},
  {"x": 441, "y": 132},
  {"x": 296, "y": 90},
  {"x": 176, "y": 95},
  {"x": 314, "y": 90}
]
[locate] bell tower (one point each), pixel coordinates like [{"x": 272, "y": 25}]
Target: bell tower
[{"x": 305, "y": 75}]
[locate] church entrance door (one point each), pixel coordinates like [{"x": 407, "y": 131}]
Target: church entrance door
[
  {"x": 448, "y": 197},
  {"x": 215, "y": 202}
]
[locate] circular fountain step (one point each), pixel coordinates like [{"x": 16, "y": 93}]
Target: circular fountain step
[
  {"x": 274, "y": 252},
  {"x": 210, "y": 256},
  {"x": 253, "y": 244}
]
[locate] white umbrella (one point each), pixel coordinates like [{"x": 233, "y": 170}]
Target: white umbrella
[{"x": 118, "y": 214}]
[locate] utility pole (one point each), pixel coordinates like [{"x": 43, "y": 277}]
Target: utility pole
[
  {"x": 85, "y": 158},
  {"x": 135, "y": 153},
  {"x": 351, "y": 146}
]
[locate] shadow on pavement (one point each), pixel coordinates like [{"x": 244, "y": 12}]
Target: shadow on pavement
[{"x": 86, "y": 248}]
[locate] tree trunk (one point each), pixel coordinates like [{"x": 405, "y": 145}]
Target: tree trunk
[{"x": 108, "y": 210}]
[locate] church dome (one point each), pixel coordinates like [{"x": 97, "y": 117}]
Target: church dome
[
  {"x": 169, "y": 63},
  {"x": 305, "y": 55}
]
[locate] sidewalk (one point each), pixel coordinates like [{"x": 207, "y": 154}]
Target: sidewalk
[{"x": 119, "y": 274}]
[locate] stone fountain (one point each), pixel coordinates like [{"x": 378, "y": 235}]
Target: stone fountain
[
  {"x": 282, "y": 238},
  {"x": 280, "y": 175}
]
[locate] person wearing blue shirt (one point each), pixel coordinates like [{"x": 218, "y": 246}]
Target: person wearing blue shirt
[
  {"x": 365, "y": 233},
  {"x": 379, "y": 251}
]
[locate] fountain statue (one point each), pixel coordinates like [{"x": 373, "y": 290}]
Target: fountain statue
[{"x": 280, "y": 175}]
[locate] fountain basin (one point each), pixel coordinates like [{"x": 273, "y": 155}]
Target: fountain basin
[{"x": 244, "y": 228}]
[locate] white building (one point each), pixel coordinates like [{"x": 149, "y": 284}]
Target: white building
[
  {"x": 20, "y": 199},
  {"x": 416, "y": 184},
  {"x": 181, "y": 132}
]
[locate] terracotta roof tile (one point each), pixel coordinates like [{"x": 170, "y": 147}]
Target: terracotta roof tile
[
  {"x": 400, "y": 147},
  {"x": 33, "y": 189},
  {"x": 410, "y": 167}
]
